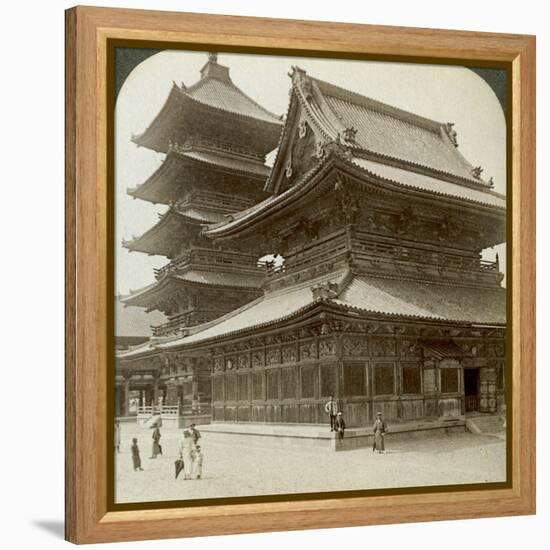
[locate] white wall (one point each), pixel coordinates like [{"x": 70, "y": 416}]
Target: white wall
[{"x": 31, "y": 218}]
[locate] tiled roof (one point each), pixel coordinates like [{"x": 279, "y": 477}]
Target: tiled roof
[
  {"x": 134, "y": 321},
  {"x": 369, "y": 295},
  {"x": 165, "y": 183},
  {"x": 228, "y": 162},
  {"x": 274, "y": 306},
  {"x": 218, "y": 278},
  {"x": 385, "y": 173},
  {"x": 136, "y": 351},
  {"x": 226, "y": 96},
  {"x": 443, "y": 349},
  {"x": 389, "y": 131},
  {"x": 214, "y": 94},
  {"x": 196, "y": 277},
  {"x": 166, "y": 235},
  {"x": 425, "y": 301},
  {"x": 431, "y": 184}
]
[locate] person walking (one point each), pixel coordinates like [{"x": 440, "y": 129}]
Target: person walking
[
  {"x": 380, "y": 429},
  {"x": 195, "y": 434},
  {"x": 340, "y": 427},
  {"x": 136, "y": 460},
  {"x": 331, "y": 408},
  {"x": 187, "y": 453},
  {"x": 157, "y": 449},
  {"x": 117, "y": 436}
]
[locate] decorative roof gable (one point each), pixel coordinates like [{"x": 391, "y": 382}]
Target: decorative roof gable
[{"x": 374, "y": 130}]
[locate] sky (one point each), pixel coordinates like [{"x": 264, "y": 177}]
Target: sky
[{"x": 443, "y": 93}]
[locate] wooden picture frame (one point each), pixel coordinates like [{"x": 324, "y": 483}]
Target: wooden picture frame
[{"x": 88, "y": 32}]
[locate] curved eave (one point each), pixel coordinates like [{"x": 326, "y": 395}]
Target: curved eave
[
  {"x": 307, "y": 311},
  {"x": 289, "y": 198},
  {"x": 162, "y": 239},
  {"x": 149, "y": 296},
  {"x": 171, "y": 122},
  {"x": 166, "y": 183}
]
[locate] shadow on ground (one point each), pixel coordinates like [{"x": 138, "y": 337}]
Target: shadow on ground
[{"x": 55, "y": 527}]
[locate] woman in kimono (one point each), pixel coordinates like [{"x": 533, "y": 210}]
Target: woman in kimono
[
  {"x": 157, "y": 450},
  {"x": 135, "y": 455},
  {"x": 188, "y": 453},
  {"x": 380, "y": 429}
]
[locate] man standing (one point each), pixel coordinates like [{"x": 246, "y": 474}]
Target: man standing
[
  {"x": 339, "y": 427},
  {"x": 380, "y": 429},
  {"x": 331, "y": 408}
]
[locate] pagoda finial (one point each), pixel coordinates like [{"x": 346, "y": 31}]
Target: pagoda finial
[{"x": 213, "y": 57}]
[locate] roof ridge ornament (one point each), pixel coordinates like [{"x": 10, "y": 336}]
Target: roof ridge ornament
[
  {"x": 349, "y": 134},
  {"x": 213, "y": 57},
  {"x": 476, "y": 172},
  {"x": 326, "y": 290},
  {"x": 451, "y": 132},
  {"x": 333, "y": 147}
]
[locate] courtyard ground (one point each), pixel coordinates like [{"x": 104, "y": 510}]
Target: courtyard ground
[{"x": 233, "y": 468}]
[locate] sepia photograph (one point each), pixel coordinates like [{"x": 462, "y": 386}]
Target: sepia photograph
[{"x": 310, "y": 276}]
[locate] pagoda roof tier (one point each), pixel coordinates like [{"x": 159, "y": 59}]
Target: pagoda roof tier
[
  {"x": 213, "y": 107},
  {"x": 371, "y": 129},
  {"x": 177, "y": 224},
  {"x": 355, "y": 294},
  {"x": 368, "y": 176},
  {"x": 173, "y": 282},
  {"x": 188, "y": 167}
]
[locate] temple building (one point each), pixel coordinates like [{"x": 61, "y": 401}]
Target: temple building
[
  {"x": 215, "y": 139},
  {"x": 383, "y": 299}
]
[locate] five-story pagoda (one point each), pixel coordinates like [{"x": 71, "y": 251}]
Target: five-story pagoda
[{"x": 215, "y": 139}]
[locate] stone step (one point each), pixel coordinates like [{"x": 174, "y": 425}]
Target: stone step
[{"x": 485, "y": 424}]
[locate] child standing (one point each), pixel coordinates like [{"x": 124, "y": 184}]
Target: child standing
[
  {"x": 198, "y": 461},
  {"x": 135, "y": 455}
]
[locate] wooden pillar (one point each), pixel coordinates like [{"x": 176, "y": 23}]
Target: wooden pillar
[
  {"x": 155, "y": 400},
  {"x": 118, "y": 399},
  {"x": 126, "y": 407},
  {"x": 141, "y": 398},
  {"x": 340, "y": 371}
]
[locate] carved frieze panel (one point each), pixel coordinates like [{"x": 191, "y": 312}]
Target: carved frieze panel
[
  {"x": 409, "y": 348},
  {"x": 383, "y": 347},
  {"x": 230, "y": 363},
  {"x": 355, "y": 346},
  {"x": 327, "y": 347},
  {"x": 474, "y": 349},
  {"x": 244, "y": 360},
  {"x": 308, "y": 350},
  {"x": 273, "y": 356},
  {"x": 258, "y": 358},
  {"x": 495, "y": 349},
  {"x": 290, "y": 354}
]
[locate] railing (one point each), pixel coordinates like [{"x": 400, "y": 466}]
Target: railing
[
  {"x": 166, "y": 410},
  {"x": 313, "y": 253},
  {"x": 175, "y": 410},
  {"x": 185, "y": 320},
  {"x": 221, "y": 201},
  {"x": 211, "y": 258},
  {"x": 379, "y": 250},
  {"x": 220, "y": 146},
  {"x": 338, "y": 243}
]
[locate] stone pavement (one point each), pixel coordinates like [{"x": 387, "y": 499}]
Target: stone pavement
[{"x": 236, "y": 469}]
